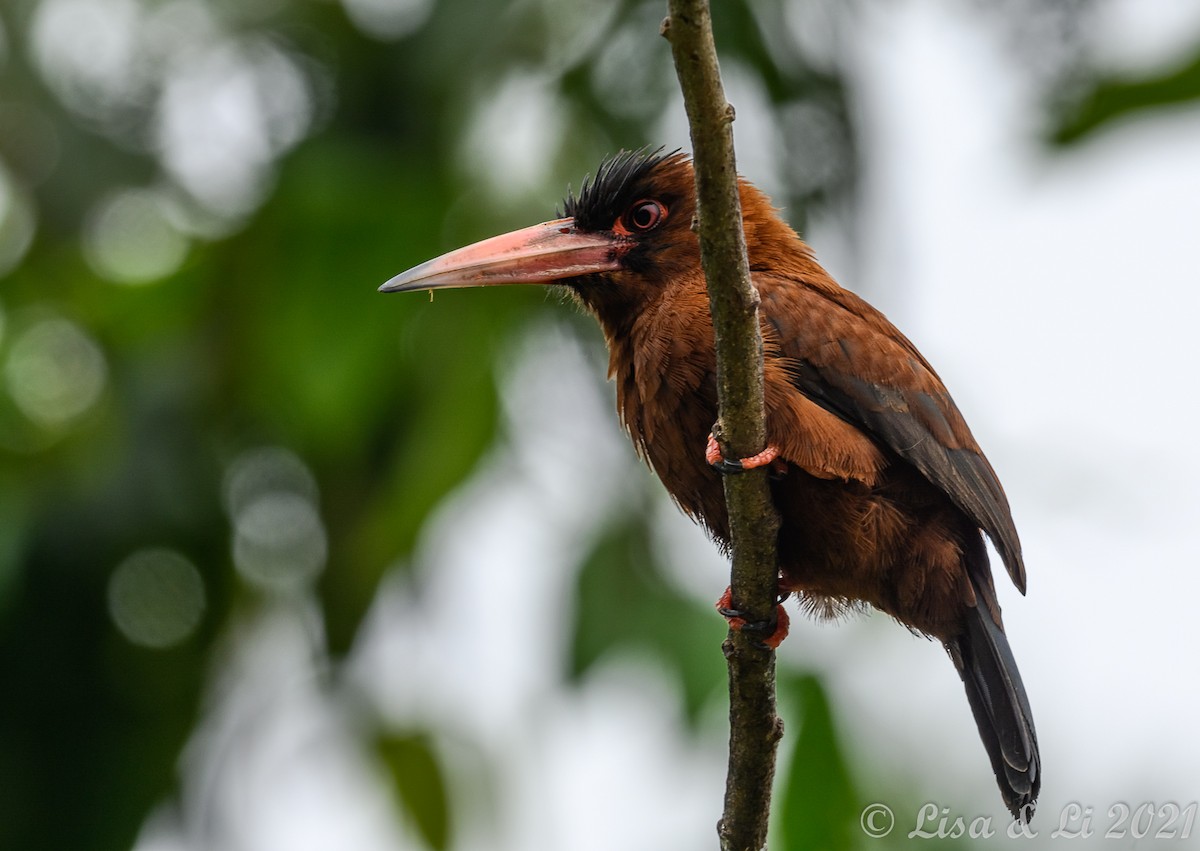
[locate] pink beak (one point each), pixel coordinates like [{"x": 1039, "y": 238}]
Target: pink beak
[{"x": 543, "y": 254}]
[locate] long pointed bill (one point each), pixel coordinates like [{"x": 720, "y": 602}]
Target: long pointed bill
[{"x": 542, "y": 254}]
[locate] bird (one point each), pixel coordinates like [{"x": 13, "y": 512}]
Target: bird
[{"x": 884, "y": 495}]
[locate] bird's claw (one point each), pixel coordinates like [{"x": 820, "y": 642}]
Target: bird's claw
[
  {"x": 770, "y": 455},
  {"x": 766, "y": 634}
]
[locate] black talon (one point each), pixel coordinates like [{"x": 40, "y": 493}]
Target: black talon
[
  {"x": 765, "y": 628},
  {"x": 724, "y": 466},
  {"x": 728, "y": 467}
]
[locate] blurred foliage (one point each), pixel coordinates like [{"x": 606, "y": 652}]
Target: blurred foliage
[
  {"x": 420, "y": 785},
  {"x": 1103, "y": 101},
  {"x": 624, "y": 604},
  {"x": 197, "y": 200},
  {"x": 817, "y": 807}
]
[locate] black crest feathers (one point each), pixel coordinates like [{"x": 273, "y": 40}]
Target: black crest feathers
[{"x": 620, "y": 180}]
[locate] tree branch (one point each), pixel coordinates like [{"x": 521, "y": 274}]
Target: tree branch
[{"x": 755, "y": 729}]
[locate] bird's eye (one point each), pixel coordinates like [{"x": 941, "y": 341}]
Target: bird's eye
[{"x": 645, "y": 215}]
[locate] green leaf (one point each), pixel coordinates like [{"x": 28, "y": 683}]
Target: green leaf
[
  {"x": 818, "y": 807},
  {"x": 624, "y": 604},
  {"x": 1111, "y": 98},
  {"x": 419, "y": 784}
]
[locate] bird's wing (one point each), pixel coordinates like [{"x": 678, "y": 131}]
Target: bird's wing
[{"x": 848, "y": 358}]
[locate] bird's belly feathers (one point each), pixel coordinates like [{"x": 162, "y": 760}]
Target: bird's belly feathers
[{"x": 896, "y": 544}]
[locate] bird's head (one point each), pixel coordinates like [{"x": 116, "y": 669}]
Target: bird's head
[{"x": 623, "y": 241}]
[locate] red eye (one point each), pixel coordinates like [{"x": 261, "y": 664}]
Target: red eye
[{"x": 645, "y": 215}]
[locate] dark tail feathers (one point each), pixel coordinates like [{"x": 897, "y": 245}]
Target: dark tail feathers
[{"x": 997, "y": 696}]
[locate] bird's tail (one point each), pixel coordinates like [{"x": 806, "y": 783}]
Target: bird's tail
[{"x": 997, "y": 697}]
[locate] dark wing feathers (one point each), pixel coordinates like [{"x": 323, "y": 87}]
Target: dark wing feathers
[{"x": 875, "y": 379}]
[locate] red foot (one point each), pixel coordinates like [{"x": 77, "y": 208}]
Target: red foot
[
  {"x": 770, "y": 455},
  {"x": 738, "y": 623}
]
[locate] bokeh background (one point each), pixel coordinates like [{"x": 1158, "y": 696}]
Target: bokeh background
[{"x": 288, "y": 564}]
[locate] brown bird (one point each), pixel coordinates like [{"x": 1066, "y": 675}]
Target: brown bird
[{"x": 882, "y": 491}]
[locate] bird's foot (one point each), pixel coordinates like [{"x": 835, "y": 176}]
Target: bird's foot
[
  {"x": 769, "y": 633},
  {"x": 770, "y": 455}
]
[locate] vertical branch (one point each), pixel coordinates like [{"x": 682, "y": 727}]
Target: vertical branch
[{"x": 755, "y": 729}]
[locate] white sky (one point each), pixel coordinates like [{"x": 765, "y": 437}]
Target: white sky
[{"x": 1057, "y": 297}]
